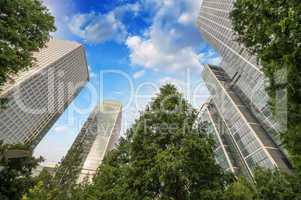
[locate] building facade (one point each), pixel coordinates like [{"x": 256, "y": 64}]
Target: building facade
[
  {"x": 38, "y": 96},
  {"x": 248, "y": 145},
  {"x": 226, "y": 154},
  {"x": 99, "y": 135},
  {"x": 238, "y": 109},
  {"x": 243, "y": 69}
]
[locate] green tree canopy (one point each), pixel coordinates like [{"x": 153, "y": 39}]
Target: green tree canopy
[
  {"x": 240, "y": 190},
  {"x": 15, "y": 173},
  {"x": 24, "y": 28},
  {"x": 164, "y": 156},
  {"x": 276, "y": 185},
  {"x": 271, "y": 30},
  {"x": 268, "y": 185},
  {"x": 62, "y": 185}
]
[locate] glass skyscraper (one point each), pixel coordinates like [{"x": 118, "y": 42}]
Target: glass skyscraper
[
  {"x": 36, "y": 97},
  {"x": 244, "y": 136},
  {"x": 243, "y": 69},
  {"x": 238, "y": 109},
  {"x": 99, "y": 134}
]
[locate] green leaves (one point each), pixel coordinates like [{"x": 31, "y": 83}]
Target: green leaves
[
  {"x": 15, "y": 175},
  {"x": 164, "y": 156},
  {"x": 240, "y": 190},
  {"x": 268, "y": 185},
  {"x": 271, "y": 30},
  {"x": 24, "y": 28}
]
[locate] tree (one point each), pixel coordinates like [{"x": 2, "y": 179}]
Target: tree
[
  {"x": 15, "y": 174},
  {"x": 271, "y": 31},
  {"x": 46, "y": 188},
  {"x": 63, "y": 184},
  {"x": 164, "y": 156},
  {"x": 268, "y": 185},
  {"x": 68, "y": 170},
  {"x": 24, "y": 28},
  {"x": 240, "y": 190},
  {"x": 277, "y": 185},
  {"x": 43, "y": 189}
]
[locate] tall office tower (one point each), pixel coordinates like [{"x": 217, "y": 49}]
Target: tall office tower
[
  {"x": 36, "y": 97},
  {"x": 245, "y": 73},
  {"x": 244, "y": 144},
  {"x": 99, "y": 134},
  {"x": 226, "y": 154}
]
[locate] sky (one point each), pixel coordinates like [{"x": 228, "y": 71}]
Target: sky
[{"x": 132, "y": 48}]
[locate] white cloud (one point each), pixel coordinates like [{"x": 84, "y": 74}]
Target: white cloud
[
  {"x": 145, "y": 53},
  {"x": 121, "y": 10},
  {"x": 138, "y": 74},
  {"x": 185, "y": 19},
  {"x": 59, "y": 10},
  {"x": 97, "y": 28},
  {"x": 210, "y": 57},
  {"x": 60, "y": 129},
  {"x": 173, "y": 40}
]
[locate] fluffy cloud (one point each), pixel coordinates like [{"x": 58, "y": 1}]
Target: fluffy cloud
[
  {"x": 138, "y": 74},
  {"x": 59, "y": 10},
  {"x": 97, "y": 28},
  {"x": 146, "y": 53},
  {"x": 173, "y": 41}
]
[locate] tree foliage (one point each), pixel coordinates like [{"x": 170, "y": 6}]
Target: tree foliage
[
  {"x": 268, "y": 185},
  {"x": 24, "y": 28},
  {"x": 276, "y": 185},
  {"x": 271, "y": 30},
  {"x": 47, "y": 188},
  {"x": 68, "y": 170},
  {"x": 63, "y": 184},
  {"x": 240, "y": 190},
  {"x": 15, "y": 173},
  {"x": 164, "y": 156}
]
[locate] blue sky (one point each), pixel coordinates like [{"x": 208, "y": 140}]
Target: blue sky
[{"x": 132, "y": 48}]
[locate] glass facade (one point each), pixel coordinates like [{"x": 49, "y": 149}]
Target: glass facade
[
  {"x": 230, "y": 156},
  {"x": 242, "y": 68},
  {"x": 99, "y": 134},
  {"x": 221, "y": 155},
  {"x": 255, "y": 147},
  {"x": 37, "y": 97}
]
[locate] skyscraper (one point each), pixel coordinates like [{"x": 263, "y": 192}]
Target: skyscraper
[
  {"x": 238, "y": 111},
  {"x": 99, "y": 134},
  {"x": 245, "y": 73},
  {"x": 226, "y": 153},
  {"x": 36, "y": 97},
  {"x": 238, "y": 128}
]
